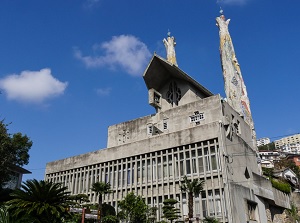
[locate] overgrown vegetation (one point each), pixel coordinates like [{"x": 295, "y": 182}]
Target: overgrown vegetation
[
  {"x": 282, "y": 186},
  {"x": 270, "y": 146},
  {"x": 293, "y": 214}
]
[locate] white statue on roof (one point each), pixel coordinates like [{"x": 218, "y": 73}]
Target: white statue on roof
[{"x": 170, "y": 48}]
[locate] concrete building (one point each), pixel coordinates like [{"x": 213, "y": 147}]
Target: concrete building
[
  {"x": 268, "y": 158},
  {"x": 193, "y": 133},
  {"x": 262, "y": 141},
  {"x": 293, "y": 139}
]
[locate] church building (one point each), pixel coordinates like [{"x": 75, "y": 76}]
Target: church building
[{"x": 193, "y": 133}]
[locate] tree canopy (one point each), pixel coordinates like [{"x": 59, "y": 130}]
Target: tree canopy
[
  {"x": 40, "y": 201},
  {"x": 14, "y": 150},
  {"x": 169, "y": 210},
  {"x": 191, "y": 187},
  {"x": 133, "y": 209},
  {"x": 270, "y": 146},
  {"x": 100, "y": 188}
]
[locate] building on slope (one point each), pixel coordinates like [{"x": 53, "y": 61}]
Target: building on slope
[
  {"x": 262, "y": 141},
  {"x": 193, "y": 133}
]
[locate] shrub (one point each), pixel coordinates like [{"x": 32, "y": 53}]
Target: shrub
[{"x": 284, "y": 187}]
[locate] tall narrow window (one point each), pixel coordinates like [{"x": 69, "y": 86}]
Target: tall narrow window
[
  {"x": 170, "y": 165},
  {"x": 150, "y": 129},
  {"x": 124, "y": 175},
  {"x": 200, "y": 161},
  {"x": 251, "y": 210},
  {"x": 138, "y": 172},
  {"x": 194, "y": 165},
  {"x": 115, "y": 177},
  {"x": 182, "y": 169},
  {"x": 188, "y": 162},
  {"x": 132, "y": 174},
  {"x": 154, "y": 169},
  {"x": 149, "y": 171},
  {"x": 173, "y": 94},
  {"x": 204, "y": 205},
  {"x": 165, "y": 124},
  {"x": 159, "y": 168},
  {"x": 165, "y": 167},
  {"x": 143, "y": 171},
  {"x": 119, "y": 176},
  {"x": 128, "y": 174}
]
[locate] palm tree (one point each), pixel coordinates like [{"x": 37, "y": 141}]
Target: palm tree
[
  {"x": 101, "y": 188},
  {"x": 40, "y": 201},
  {"x": 192, "y": 187},
  {"x": 4, "y": 215}
]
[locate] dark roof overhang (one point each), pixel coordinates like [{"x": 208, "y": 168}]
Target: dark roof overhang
[{"x": 159, "y": 71}]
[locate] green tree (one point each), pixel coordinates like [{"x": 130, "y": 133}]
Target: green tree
[
  {"x": 270, "y": 146},
  {"x": 133, "y": 209},
  {"x": 101, "y": 188},
  {"x": 169, "y": 210},
  {"x": 14, "y": 152},
  {"x": 79, "y": 199},
  {"x": 152, "y": 214},
  {"x": 210, "y": 220},
  {"x": 191, "y": 187},
  {"x": 268, "y": 172},
  {"x": 110, "y": 219},
  {"x": 39, "y": 201}
]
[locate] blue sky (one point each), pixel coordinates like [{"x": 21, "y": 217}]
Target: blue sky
[{"x": 71, "y": 68}]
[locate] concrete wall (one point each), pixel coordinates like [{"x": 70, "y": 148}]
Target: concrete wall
[{"x": 177, "y": 119}]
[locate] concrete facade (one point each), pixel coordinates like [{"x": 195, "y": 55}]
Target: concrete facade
[
  {"x": 293, "y": 139},
  {"x": 193, "y": 133}
]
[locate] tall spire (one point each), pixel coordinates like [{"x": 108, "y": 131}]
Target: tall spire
[
  {"x": 235, "y": 88},
  {"x": 170, "y": 48}
]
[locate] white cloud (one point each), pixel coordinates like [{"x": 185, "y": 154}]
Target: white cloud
[
  {"x": 123, "y": 51},
  {"x": 103, "y": 91},
  {"x": 32, "y": 86}
]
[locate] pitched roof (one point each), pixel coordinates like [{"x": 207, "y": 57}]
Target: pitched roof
[{"x": 159, "y": 71}]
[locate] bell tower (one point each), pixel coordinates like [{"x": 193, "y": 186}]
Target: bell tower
[{"x": 235, "y": 88}]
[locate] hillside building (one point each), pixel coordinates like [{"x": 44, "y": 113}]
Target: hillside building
[
  {"x": 193, "y": 133},
  {"x": 262, "y": 141},
  {"x": 293, "y": 139}
]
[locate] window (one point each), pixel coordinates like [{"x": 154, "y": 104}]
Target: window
[
  {"x": 150, "y": 129},
  {"x": 173, "y": 94},
  {"x": 159, "y": 168},
  {"x": 188, "y": 163},
  {"x": 165, "y": 167},
  {"x": 197, "y": 117},
  {"x": 165, "y": 124},
  {"x": 138, "y": 173},
  {"x": 204, "y": 207},
  {"x": 128, "y": 174},
  {"x": 154, "y": 169},
  {"x": 156, "y": 98},
  {"x": 251, "y": 206},
  {"x": 149, "y": 171},
  {"x": 194, "y": 164}
]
